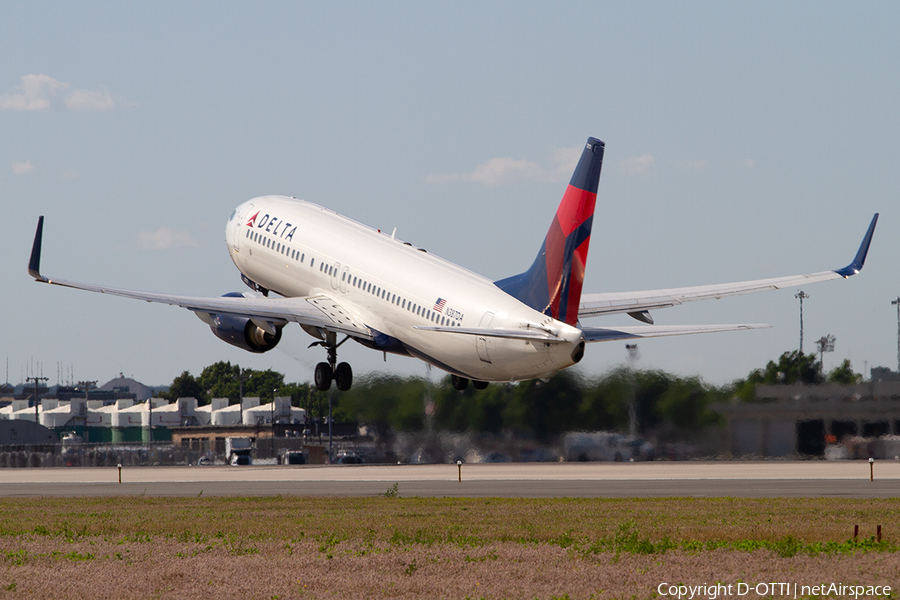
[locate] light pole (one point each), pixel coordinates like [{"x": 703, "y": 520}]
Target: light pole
[
  {"x": 633, "y": 356},
  {"x": 825, "y": 344},
  {"x": 802, "y": 296},
  {"x": 897, "y": 302}
]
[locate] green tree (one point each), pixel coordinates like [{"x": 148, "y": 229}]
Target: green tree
[
  {"x": 186, "y": 386},
  {"x": 686, "y": 403},
  {"x": 604, "y": 402},
  {"x": 220, "y": 380},
  {"x": 384, "y": 401},
  {"x": 545, "y": 409},
  {"x": 792, "y": 367},
  {"x": 844, "y": 374},
  {"x": 264, "y": 384},
  {"x": 470, "y": 409}
]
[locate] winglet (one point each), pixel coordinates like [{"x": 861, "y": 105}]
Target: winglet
[
  {"x": 34, "y": 263},
  {"x": 857, "y": 264}
]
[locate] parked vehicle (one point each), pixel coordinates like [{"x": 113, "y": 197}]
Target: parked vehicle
[
  {"x": 237, "y": 450},
  {"x": 605, "y": 446}
]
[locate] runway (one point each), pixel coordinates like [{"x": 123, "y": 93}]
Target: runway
[{"x": 845, "y": 479}]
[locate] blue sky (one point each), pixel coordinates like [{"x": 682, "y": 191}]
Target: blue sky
[{"x": 743, "y": 140}]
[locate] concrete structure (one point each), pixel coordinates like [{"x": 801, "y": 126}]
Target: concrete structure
[
  {"x": 14, "y": 433},
  {"x": 126, "y": 421},
  {"x": 141, "y": 392},
  {"x": 788, "y": 420}
]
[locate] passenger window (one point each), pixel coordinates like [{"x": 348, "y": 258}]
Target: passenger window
[{"x": 312, "y": 263}]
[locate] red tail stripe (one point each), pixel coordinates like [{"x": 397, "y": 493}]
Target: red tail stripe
[{"x": 576, "y": 207}]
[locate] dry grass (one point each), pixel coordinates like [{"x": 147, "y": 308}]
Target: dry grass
[{"x": 295, "y": 547}]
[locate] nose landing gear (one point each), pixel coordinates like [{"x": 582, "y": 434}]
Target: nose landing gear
[{"x": 326, "y": 372}]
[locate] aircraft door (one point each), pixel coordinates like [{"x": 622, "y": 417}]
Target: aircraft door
[
  {"x": 345, "y": 278},
  {"x": 482, "y": 343},
  {"x": 336, "y": 276}
]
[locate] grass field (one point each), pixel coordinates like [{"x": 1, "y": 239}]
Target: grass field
[{"x": 395, "y": 547}]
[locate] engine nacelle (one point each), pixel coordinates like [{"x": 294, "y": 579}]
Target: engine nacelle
[{"x": 244, "y": 333}]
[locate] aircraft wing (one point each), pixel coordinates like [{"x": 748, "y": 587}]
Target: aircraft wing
[
  {"x": 609, "y": 334},
  {"x": 638, "y": 303},
  {"x": 317, "y": 311}
]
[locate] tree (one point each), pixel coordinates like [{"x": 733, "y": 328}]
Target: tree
[
  {"x": 263, "y": 384},
  {"x": 844, "y": 374},
  {"x": 604, "y": 402},
  {"x": 792, "y": 367},
  {"x": 220, "y": 380},
  {"x": 384, "y": 401},
  {"x": 185, "y": 386},
  {"x": 686, "y": 404}
]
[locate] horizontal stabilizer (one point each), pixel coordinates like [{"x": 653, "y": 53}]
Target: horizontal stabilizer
[
  {"x": 609, "y": 334},
  {"x": 535, "y": 335}
]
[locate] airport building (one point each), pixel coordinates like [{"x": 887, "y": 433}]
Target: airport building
[
  {"x": 96, "y": 421},
  {"x": 834, "y": 421}
]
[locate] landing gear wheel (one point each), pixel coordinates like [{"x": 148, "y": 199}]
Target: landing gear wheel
[
  {"x": 459, "y": 383},
  {"x": 343, "y": 376},
  {"x": 479, "y": 385},
  {"x": 324, "y": 375}
]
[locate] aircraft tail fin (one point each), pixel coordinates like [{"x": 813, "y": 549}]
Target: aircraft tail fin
[{"x": 553, "y": 283}]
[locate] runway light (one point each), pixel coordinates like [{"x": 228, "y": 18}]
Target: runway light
[
  {"x": 459, "y": 468},
  {"x": 871, "y": 469},
  {"x": 120, "y": 472}
]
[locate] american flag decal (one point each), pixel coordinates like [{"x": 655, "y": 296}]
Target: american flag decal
[{"x": 439, "y": 305}]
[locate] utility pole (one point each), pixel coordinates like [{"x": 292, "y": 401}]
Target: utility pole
[
  {"x": 330, "y": 435},
  {"x": 897, "y": 303},
  {"x": 87, "y": 385},
  {"x": 802, "y": 296},
  {"x": 36, "y": 379},
  {"x": 633, "y": 356},
  {"x": 241, "y": 376}
]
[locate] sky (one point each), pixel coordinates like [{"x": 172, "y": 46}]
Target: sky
[{"x": 743, "y": 141}]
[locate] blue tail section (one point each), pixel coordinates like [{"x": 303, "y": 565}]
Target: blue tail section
[{"x": 553, "y": 283}]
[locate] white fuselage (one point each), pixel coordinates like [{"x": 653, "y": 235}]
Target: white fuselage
[{"x": 297, "y": 248}]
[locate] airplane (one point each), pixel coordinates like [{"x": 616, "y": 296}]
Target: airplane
[{"x": 338, "y": 278}]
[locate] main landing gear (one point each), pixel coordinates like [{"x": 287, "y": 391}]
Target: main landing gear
[
  {"x": 326, "y": 372},
  {"x": 461, "y": 383}
]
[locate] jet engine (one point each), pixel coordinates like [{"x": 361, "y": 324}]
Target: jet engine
[{"x": 243, "y": 332}]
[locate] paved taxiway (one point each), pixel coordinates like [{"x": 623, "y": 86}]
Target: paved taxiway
[{"x": 849, "y": 479}]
